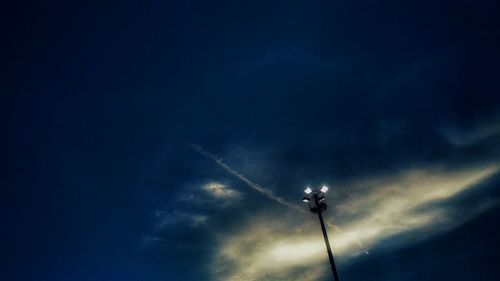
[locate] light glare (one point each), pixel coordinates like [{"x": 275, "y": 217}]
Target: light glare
[
  {"x": 308, "y": 190},
  {"x": 324, "y": 188}
]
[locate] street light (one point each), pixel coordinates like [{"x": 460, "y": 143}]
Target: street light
[{"x": 317, "y": 204}]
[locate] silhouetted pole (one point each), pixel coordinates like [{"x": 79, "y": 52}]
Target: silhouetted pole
[
  {"x": 328, "y": 249},
  {"x": 317, "y": 204}
]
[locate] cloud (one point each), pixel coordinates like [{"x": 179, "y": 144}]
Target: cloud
[
  {"x": 174, "y": 229},
  {"x": 368, "y": 213},
  {"x": 385, "y": 206},
  {"x": 266, "y": 251},
  {"x": 208, "y": 195},
  {"x": 220, "y": 191},
  {"x": 198, "y": 204},
  {"x": 480, "y": 131},
  {"x": 265, "y": 191},
  {"x": 165, "y": 219}
]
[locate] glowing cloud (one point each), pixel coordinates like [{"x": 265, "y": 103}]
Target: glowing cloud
[
  {"x": 220, "y": 191},
  {"x": 373, "y": 211}
]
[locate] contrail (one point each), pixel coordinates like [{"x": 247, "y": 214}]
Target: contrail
[{"x": 267, "y": 192}]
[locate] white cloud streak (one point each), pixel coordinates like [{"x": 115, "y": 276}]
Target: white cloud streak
[
  {"x": 387, "y": 210},
  {"x": 265, "y": 191}
]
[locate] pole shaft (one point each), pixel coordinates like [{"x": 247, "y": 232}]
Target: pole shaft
[{"x": 328, "y": 249}]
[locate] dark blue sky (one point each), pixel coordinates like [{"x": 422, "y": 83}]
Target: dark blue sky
[{"x": 171, "y": 140}]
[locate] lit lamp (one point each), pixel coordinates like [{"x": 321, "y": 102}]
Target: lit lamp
[{"x": 317, "y": 204}]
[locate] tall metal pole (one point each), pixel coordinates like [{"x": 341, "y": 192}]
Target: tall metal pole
[
  {"x": 328, "y": 249},
  {"x": 317, "y": 204}
]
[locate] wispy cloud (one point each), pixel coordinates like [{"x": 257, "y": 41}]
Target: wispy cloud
[
  {"x": 366, "y": 214},
  {"x": 172, "y": 223},
  {"x": 166, "y": 219},
  {"x": 267, "y": 251},
  {"x": 385, "y": 206},
  {"x": 374, "y": 211},
  {"x": 265, "y": 191},
  {"x": 480, "y": 131},
  {"x": 220, "y": 191}
]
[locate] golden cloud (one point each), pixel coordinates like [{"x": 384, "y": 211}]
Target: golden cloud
[
  {"x": 370, "y": 211},
  {"x": 220, "y": 191}
]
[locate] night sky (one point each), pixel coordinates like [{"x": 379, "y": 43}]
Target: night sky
[{"x": 172, "y": 140}]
